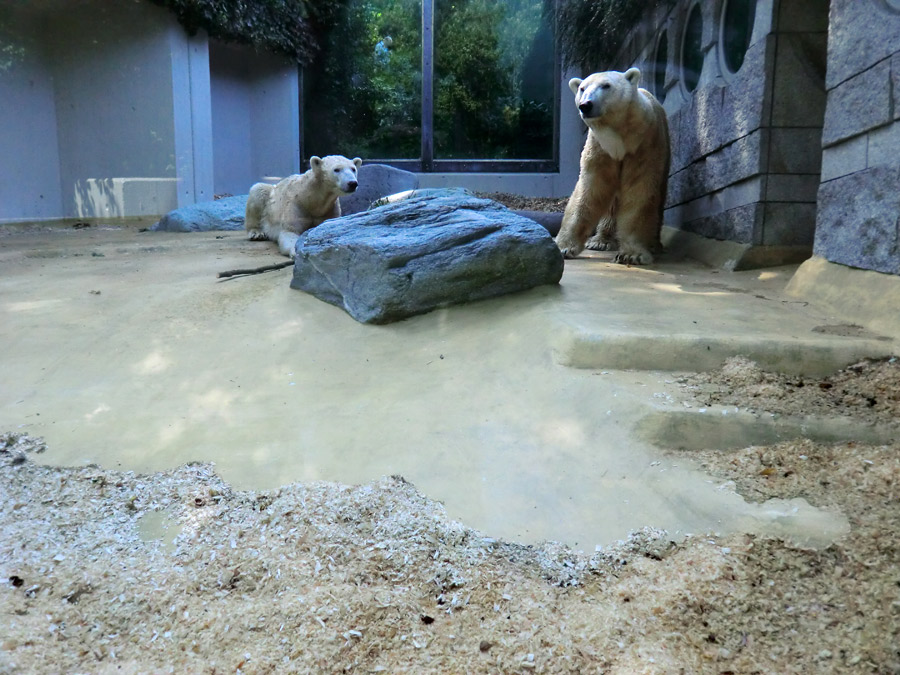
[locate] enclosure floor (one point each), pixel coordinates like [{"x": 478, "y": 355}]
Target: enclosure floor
[{"x": 521, "y": 414}]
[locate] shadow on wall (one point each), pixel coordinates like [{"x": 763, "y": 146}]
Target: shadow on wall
[
  {"x": 121, "y": 197},
  {"x": 96, "y": 197}
]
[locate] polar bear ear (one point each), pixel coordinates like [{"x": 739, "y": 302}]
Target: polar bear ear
[
  {"x": 315, "y": 162},
  {"x": 357, "y": 161},
  {"x": 574, "y": 83},
  {"x": 633, "y": 75}
]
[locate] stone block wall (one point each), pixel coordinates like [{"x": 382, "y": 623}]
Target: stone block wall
[
  {"x": 746, "y": 144},
  {"x": 858, "y": 221}
]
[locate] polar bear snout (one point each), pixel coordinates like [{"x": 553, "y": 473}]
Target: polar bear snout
[
  {"x": 351, "y": 186},
  {"x": 586, "y": 108}
]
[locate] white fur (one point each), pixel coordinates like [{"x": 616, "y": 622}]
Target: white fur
[
  {"x": 610, "y": 141},
  {"x": 297, "y": 203},
  {"x": 626, "y": 154},
  {"x": 605, "y": 92}
]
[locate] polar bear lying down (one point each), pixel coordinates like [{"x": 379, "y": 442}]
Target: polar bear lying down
[{"x": 283, "y": 211}]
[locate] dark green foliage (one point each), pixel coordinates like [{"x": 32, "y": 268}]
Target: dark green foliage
[
  {"x": 362, "y": 101},
  {"x": 493, "y": 81},
  {"x": 490, "y": 81},
  {"x": 592, "y": 31},
  {"x": 289, "y": 27}
]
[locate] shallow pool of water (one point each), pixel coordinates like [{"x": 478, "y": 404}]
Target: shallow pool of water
[{"x": 138, "y": 359}]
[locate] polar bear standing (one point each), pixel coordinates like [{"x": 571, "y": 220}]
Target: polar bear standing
[
  {"x": 624, "y": 168},
  {"x": 281, "y": 212}
]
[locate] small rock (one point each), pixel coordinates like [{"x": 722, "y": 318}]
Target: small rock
[{"x": 221, "y": 214}]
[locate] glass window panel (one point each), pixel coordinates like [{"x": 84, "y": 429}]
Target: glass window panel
[
  {"x": 659, "y": 67},
  {"x": 364, "y": 94},
  {"x": 494, "y": 77},
  {"x": 691, "y": 51},
  {"x": 737, "y": 29}
]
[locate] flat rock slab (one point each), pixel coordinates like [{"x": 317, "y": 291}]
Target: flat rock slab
[
  {"x": 376, "y": 181},
  {"x": 221, "y": 214},
  {"x": 430, "y": 249}
]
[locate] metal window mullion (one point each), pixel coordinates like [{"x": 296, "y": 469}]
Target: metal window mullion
[
  {"x": 427, "y": 85},
  {"x": 557, "y": 97}
]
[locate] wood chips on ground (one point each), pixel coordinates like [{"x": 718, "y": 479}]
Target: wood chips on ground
[
  {"x": 520, "y": 203},
  {"x": 328, "y": 578}
]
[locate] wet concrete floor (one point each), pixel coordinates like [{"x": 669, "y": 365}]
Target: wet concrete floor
[{"x": 122, "y": 348}]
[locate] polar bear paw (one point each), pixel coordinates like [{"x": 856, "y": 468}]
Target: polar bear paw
[
  {"x": 633, "y": 257},
  {"x": 596, "y": 243},
  {"x": 256, "y": 235}
]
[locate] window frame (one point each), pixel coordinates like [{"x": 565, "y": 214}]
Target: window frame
[
  {"x": 683, "y": 71},
  {"x": 427, "y": 163},
  {"x": 722, "y": 48},
  {"x": 659, "y": 89}
]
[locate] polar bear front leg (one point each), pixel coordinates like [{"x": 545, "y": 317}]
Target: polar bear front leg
[
  {"x": 583, "y": 212},
  {"x": 639, "y": 216},
  {"x": 255, "y": 213},
  {"x": 287, "y": 243},
  {"x": 634, "y": 239}
]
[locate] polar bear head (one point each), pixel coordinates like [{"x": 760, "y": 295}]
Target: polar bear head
[
  {"x": 604, "y": 93},
  {"x": 337, "y": 170}
]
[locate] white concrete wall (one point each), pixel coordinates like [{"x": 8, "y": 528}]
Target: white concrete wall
[
  {"x": 276, "y": 117},
  {"x": 232, "y": 172},
  {"x": 192, "y": 116},
  {"x": 106, "y": 111},
  {"x": 112, "y": 76},
  {"x": 29, "y": 153},
  {"x": 255, "y": 117}
]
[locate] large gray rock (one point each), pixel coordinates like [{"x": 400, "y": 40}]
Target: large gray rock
[
  {"x": 377, "y": 181},
  {"x": 222, "y": 214},
  {"x": 429, "y": 249}
]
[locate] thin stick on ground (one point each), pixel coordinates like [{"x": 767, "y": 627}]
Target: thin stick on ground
[{"x": 254, "y": 270}]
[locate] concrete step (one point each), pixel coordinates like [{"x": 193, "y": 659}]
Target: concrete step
[
  {"x": 682, "y": 316},
  {"x": 726, "y": 428}
]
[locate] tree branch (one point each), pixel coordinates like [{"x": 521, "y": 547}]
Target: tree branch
[{"x": 254, "y": 270}]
